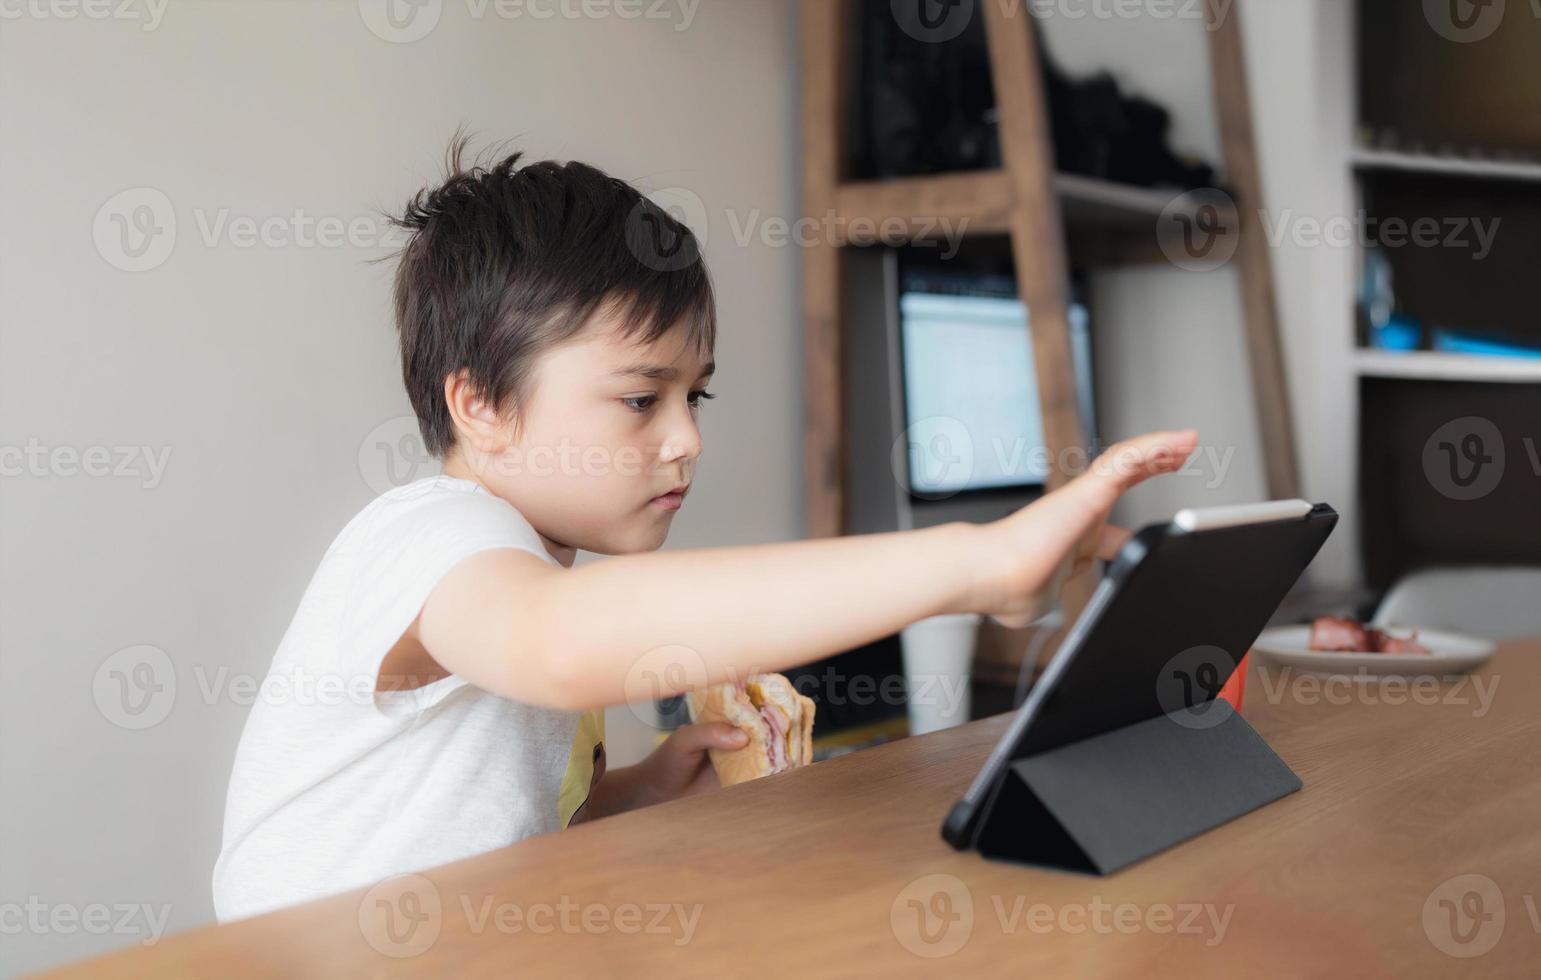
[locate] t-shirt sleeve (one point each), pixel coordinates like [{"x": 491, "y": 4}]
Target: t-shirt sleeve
[{"x": 393, "y": 564}]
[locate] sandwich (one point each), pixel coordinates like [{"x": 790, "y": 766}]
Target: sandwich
[{"x": 777, "y": 719}]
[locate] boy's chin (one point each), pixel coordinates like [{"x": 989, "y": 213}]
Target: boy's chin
[{"x": 635, "y": 541}]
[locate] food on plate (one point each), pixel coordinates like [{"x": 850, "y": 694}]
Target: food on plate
[
  {"x": 1332, "y": 634},
  {"x": 777, "y": 719}
]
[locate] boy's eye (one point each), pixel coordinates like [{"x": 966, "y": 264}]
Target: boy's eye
[{"x": 641, "y": 403}]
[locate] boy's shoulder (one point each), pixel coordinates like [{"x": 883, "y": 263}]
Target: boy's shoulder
[{"x": 435, "y": 507}]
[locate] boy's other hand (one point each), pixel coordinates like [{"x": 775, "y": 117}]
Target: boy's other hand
[
  {"x": 681, "y": 767},
  {"x": 1026, "y": 551}
]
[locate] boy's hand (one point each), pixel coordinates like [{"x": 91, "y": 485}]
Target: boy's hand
[
  {"x": 1067, "y": 529},
  {"x": 681, "y": 766}
]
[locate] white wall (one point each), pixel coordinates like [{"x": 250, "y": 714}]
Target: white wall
[{"x": 263, "y": 371}]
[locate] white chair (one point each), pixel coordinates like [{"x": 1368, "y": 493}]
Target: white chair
[{"x": 1489, "y": 602}]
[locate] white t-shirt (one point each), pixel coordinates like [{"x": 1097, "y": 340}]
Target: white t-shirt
[{"x": 336, "y": 786}]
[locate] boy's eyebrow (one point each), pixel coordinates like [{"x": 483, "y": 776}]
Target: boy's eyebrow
[{"x": 662, "y": 372}]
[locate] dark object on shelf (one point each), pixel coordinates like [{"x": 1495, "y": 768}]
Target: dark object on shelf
[
  {"x": 1100, "y": 132},
  {"x": 921, "y": 106},
  {"x": 927, "y": 107}
]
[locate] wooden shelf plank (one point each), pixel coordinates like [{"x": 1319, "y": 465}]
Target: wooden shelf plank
[
  {"x": 1441, "y": 366},
  {"x": 979, "y": 203},
  {"x": 1448, "y": 166}
]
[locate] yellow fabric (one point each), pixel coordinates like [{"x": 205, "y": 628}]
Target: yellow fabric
[{"x": 587, "y": 755}]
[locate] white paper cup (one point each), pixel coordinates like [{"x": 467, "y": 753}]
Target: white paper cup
[{"x": 938, "y": 661}]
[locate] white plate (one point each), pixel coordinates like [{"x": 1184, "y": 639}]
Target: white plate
[{"x": 1451, "y": 653}]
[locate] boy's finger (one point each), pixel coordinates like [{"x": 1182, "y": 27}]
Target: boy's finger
[
  {"x": 709, "y": 735},
  {"x": 1142, "y": 457},
  {"x": 1113, "y": 538}
]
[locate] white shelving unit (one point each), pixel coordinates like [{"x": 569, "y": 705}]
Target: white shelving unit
[
  {"x": 1366, "y": 159},
  {"x": 1436, "y": 366}
]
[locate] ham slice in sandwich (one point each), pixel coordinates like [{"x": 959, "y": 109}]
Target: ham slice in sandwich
[{"x": 777, "y": 719}]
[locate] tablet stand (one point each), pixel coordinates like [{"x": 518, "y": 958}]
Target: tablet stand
[{"x": 1108, "y": 801}]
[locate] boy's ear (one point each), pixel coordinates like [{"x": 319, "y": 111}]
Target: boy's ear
[{"x": 476, "y": 419}]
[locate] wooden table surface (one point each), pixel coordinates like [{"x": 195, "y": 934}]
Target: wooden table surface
[{"x": 1413, "y": 851}]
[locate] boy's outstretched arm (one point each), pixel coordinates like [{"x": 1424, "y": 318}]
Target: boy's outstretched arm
[{"x": 638, "y": 627}]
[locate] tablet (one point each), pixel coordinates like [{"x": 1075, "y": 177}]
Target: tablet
[{"x": 1178, "y": 608}]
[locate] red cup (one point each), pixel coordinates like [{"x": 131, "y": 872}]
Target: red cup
[{"x": 1235, "y": 688}]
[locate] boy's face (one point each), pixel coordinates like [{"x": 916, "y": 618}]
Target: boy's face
[{"x": 608, "y": 429}]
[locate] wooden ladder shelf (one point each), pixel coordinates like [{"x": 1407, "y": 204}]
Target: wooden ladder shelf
[{"x": 1043, "y": 212}]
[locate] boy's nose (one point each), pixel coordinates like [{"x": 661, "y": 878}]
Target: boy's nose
[{"x": 682, "y": 442}]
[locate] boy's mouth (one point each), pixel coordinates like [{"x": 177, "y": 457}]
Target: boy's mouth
[{"x": 673, "y": 499}]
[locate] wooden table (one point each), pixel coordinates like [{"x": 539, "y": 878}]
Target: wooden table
[{"x": 815, "y": 872}]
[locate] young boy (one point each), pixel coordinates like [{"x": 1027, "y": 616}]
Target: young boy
[{"x": 446, "y": 661}]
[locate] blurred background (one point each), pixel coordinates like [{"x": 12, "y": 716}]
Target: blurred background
[{"x": 953, "y": 244}]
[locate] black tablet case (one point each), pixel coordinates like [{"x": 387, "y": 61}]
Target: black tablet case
[{"x": 1102, "y": 769}]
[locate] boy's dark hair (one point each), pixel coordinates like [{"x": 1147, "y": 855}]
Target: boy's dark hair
[{"x": 505, "y": 262}]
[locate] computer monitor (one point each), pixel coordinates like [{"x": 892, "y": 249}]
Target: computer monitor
[{"x": 972, "y": 414}]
